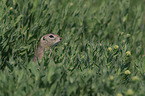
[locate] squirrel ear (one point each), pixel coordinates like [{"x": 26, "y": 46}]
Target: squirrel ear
[{"x": 43, "y": 38}]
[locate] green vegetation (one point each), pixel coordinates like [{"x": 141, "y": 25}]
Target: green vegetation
[{"x": 101, "y": 53}]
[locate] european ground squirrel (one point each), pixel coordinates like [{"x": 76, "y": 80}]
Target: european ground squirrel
[{"x": 46, "y": 42}]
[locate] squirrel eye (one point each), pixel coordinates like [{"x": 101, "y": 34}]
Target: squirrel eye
[
  {"x": 51, "y": 36},
  {"x": 43, "y": 38}
]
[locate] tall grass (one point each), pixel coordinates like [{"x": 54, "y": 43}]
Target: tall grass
[{"x": 101, "y": 52}]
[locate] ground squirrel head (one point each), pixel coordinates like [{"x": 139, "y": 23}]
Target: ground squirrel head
[
  {"x": 46, "y": 42},
  {"x": 49, "y": 40}
]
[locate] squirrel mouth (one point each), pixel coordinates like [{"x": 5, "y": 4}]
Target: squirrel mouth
[{"x": 55, "y": 43}]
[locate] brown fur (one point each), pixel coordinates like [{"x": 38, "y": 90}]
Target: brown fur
[{"x": 46, "y": 42}]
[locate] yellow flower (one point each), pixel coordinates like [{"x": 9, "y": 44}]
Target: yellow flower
[
  {"x": 110, "y": 49},
  {"x": 82, "y": 57},
  {"x": 111, "y": 78},
  {"x": 128, "y": 53},
  {"x": 103, "y": 80},
  {"x": 135, "y": 78},
  {"x": 127, "y": 72},
  {"x": 128, "y": 35},
  {"x": 129, "y": 92},
  {"x": 65, "y": 43},
  {"x": 119, "y": 94},
  {"x": 71, "y": 4},
  {"x": 116, "y": 47},
  {"x": 81, "y": 23},
  {"x": 11, "y": 8},
  {"x": 122, "y": 33}
]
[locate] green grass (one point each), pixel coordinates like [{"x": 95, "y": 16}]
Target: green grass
[{"x": 101, "y": 53}]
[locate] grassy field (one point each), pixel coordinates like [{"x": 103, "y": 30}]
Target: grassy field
[{"x": 102, "y": 52}]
